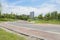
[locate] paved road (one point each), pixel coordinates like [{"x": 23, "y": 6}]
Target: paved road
[
  {"x": 21, "y": 27},
  {"x": 43, "y": 27}
]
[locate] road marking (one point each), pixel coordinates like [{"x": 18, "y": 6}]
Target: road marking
[{"x": 53, "y": 32}]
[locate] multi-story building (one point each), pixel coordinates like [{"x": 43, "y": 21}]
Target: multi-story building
[{"x": 32, "y": 15}]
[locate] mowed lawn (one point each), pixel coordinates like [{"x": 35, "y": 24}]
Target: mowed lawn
[{"x": 9, "y": 36}]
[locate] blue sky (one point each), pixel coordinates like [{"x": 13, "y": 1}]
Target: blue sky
[
  {"x": 32, "y": 3},
  {"x": 25, "y": 6}
]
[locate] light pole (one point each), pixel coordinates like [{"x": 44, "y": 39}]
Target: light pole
[{"x": 0, "y": 8}]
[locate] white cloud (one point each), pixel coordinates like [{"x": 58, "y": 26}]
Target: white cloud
[
  {"x": 55, "y": 1},
  {"x": 44, "y": 8},
  {"x": 25, "y": 10}
]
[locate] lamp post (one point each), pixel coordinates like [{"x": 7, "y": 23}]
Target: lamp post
[{"x": 0, "y": 8}]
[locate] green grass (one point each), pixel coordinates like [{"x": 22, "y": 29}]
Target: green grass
[
  {"x": 49, "y": 21},
  {"x": 7, "y": 19},
  {"x": 9, "y": 36}
]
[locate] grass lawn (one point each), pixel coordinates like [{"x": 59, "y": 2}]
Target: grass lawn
[
  {"x": 5, "y": 20},
  {"x": 9, "y": 36},
  {"x": 49, "y": 21}
]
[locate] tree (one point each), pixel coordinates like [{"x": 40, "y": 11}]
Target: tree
[
  {"x": 59, "y": 16},
  {"x": 47, "y": 16},
  {"x": 22, "y": 17},
  {"x": 40, "y": 16},
  {"x": 54, "y": 15}
]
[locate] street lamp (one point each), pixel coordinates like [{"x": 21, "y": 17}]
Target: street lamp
[{"x": 0, "y": 8}]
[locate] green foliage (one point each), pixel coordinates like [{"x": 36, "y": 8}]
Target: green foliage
[
  {"x": 23, "y": 17},
  {"x": 49, "y": 21},
  {"x": 50, "y": 16},
  {"x": 5, "y": 17},
  {"x": 59, "y": 16},
  {"x": 40, "y": 16},
  {"x": 54, "y": 15},
  {"x": 47, "y": 16}
]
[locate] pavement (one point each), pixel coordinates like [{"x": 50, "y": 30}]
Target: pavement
[{"x": 45, "y": 31}]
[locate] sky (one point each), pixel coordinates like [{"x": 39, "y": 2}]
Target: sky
[{"x": 26, "y": 6}]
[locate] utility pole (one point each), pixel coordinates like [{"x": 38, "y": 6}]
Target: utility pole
[{"x": 0, "y": 8}]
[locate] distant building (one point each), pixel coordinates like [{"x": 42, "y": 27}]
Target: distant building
[{"x": 32, "y": 15}]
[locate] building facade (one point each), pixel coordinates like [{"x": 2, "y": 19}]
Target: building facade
[{"x": 32, "y": 15}]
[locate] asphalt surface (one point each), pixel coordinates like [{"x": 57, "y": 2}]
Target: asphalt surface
[{"x": 43, "y": 27}]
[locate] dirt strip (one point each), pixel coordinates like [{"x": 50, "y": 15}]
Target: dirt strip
[{"x": 31, "y": 32}]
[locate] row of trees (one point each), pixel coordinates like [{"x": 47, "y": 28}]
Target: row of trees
[
  {"x": 14, "y": 16},
  {"x": 50, "y": 16}
]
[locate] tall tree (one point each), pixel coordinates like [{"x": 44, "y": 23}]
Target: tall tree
[
  {"x": 59, "y": 16},
  {"x": 22, "y": 17},
  {"x": 40, "y": 16},
  {"x": 54, "y": 15},
  {"x": 47, "y": 16}
]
